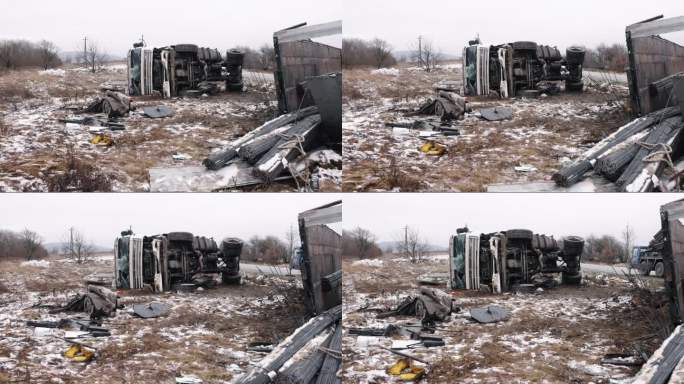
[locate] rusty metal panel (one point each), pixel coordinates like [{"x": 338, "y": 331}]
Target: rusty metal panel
[
  {"x": 299, "y": 61},
  {"x": 652, "y": 58},
  {"x": 672, "y": 216}
]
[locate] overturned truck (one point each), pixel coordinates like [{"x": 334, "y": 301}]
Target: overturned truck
[
  {"x": 507, "y": 260},
  {"x": 165, "y": 262},
  {"x": 523, "y": 68},
  {"x": 183, "y": 69}
]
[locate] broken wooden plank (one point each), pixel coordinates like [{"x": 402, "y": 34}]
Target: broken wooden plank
[
  {"x": 267, "y": 369},
  {"x": 219, "y": 159},
  {"x": 289, "y": 147},
  {"x": 661, "y": 133},
  {"x": 331, "y": 364}
]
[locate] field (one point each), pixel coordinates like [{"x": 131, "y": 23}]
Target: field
[
  {"x": 206, "y": 333},
  {"x": 555, "y": 335},
  {"x": 543, "y": 134},
  {"x": 37, "y": 151}
]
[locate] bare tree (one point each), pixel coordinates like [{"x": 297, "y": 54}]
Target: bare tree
[
  {"x": 93, "y": 56},
  {"x": 291, "y": 239},
  {"x": 31, "y": 242},
  {"x": 412, "y": 245},
  {"x": 382, "y": 51},
  {"x": 267, "y": 57},
  {"x": 48, "y": 54},
  {"x": 425, "y": 54},
  {"x": 628, "y": 239},
  {"x": 364, "y": 242},
  {"x": 76, "y": 246}
]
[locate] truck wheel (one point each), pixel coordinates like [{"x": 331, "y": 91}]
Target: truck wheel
[
  {"x": 571, "y": 279},
  {"x": 524, "y": 46},
  {"x": 573, "y": 245},
  {"x": 645, "y": 268},
  {"x": 186, "y": 48},
  {"x": 574, "y": 87},
  {"x": 421, "y": 311},
  {"x": 180, "y": 236},
  {"x": 107, "y": 108},
  {"x": 659, "y": 269},
  {"x": 520, "y": 234},
  {"x": 231, "y": 279}
]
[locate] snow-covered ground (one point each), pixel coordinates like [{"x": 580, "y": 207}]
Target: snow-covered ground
[
  {"x": 34, "y": 144},
  {"x": 553, "y": 336},
  {"x": 543, "y": 134},
  {"x": 205, "y": 334}
]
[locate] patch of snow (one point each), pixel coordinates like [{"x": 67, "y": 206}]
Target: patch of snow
[
  {"x": 36, "y": 263},
  {"x": 386, "y": 71},
  {"x": 369, "y": 262}
]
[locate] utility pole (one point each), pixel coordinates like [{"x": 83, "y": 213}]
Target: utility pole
[
  {"x": 420, "y": 50},
  {"x": 85, "y": 51}
]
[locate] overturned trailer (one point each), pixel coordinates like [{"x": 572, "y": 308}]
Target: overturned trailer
[
  {"x": 523, "y": 68},
  {"x": 181, "y": 69},
  {"x": 504, "y": 261},
  {"x": 164, "y": 262}
]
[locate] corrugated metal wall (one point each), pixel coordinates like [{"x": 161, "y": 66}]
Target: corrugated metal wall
[{"x": 654, "y": 58}]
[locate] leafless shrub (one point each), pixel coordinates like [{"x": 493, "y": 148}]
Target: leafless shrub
[
  {"x": 393, "y": 177},
  {"x": 412, "y": 245},
  {"x": 360, "y": 243},
  {"x": 10, "y": 91},
  {"x": 361, "y": 53},
  {"x": 76, "y": 175},
  {"x": 32, "y": 244},
  {"x": 75, "y": 246},
  {"x": 93, "y": 56},
  {"x": 4, "y": 128}
]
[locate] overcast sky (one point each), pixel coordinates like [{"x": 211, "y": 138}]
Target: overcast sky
[
  {"x": 116, "y": 25},
  {"x": 437, "y": 216},
  {"x": 101, "y": 217},
  {"x": 450, "y": 24}
]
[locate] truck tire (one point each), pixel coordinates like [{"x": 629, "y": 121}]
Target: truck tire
[
  {"x": 574, "y": 87},
  {"x": 571, "y": 279},
  {"x": 659, "y": 269},
  {"x": 519, "y": 234},
  {"x": 573, "y": 245},
  {"x": 107, "y": 108},
  {"x": 645, "y": 268},
  {"x": 186, "y": 48},
  {"x": 231, "y": 279},
  {"x": 180, "y": 236},
  {"x": 525, "y": 46},
  {"x": 575, "y": 55}
]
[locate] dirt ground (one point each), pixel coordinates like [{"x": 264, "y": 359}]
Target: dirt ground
[
  {"x": 558, "y": 335},
  {"x": 544, "y": 133},
  {"x": 206, "y": 333},
  {"x": 35, "y": 149}
]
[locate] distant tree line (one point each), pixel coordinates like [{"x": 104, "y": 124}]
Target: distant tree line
[
  {"x": 360, "y": 243},
  {"x": 24, "y": 245},
  {"x": 269, "y": 250},
  {"x": 375, "y": 53},
  {"x": 609, "y": 57},
  {"x": 261, "y": 59},
  {"x": 15, "y": 54}
]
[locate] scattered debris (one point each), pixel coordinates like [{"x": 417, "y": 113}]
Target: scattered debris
[
  {"x": 429, "y": 306},
  {"x": 157, "y": 112},
  {"x": 525, "y": 168},
  {"x": 496, "y": 113},
  {"x": 112, "y": 104},
  {"x": 181, "y": 157},
  {"x": 446, "y": 105},
  {"x": 151, "y": 310},
  {"x": 432, "y": 148},
  {"x": 490, "y": 314},
  {"x": 188, "y": 379},
  {"x": 79, "y": 354},
  {"x": 96, "y": 302},
  {"x": 406, "y": 371}
]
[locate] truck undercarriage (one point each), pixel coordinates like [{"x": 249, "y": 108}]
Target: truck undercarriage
[
  {"x": 163, "y": 262},
  {"x": 523, "y": 68},
  {"x": 504, "y": 261}
]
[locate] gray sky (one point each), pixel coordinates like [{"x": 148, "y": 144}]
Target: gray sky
[
  {"x": 116, "y": 25},
  {"x": 101, "y": 217},
  {"x": 450, "y": 24},
  {"x": 437, "y": 216}
]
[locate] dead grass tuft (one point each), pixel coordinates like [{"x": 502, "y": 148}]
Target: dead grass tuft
[
  {"x": 12, "y": 90},
  {"x": 393, "y": 177},
  {"x": 4, "y": 128},
  {"x": 76, "y": 175}
]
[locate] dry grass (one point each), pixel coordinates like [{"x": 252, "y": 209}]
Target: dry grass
[
  {"x": 9, "y": 91},
  {"x": 73, "y": 174},
  {"x": 4, "y": 128}
]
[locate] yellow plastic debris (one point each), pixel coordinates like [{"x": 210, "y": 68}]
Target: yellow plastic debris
[
  {"x": 405, "y": 371},
  {"x": 398, "y": 367},
  {"x": 415, "y": 374},
  {"x": 78, "y": 353},
  {"x": 102, "y": 140},
  {"x": 433, "y": 149}
]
